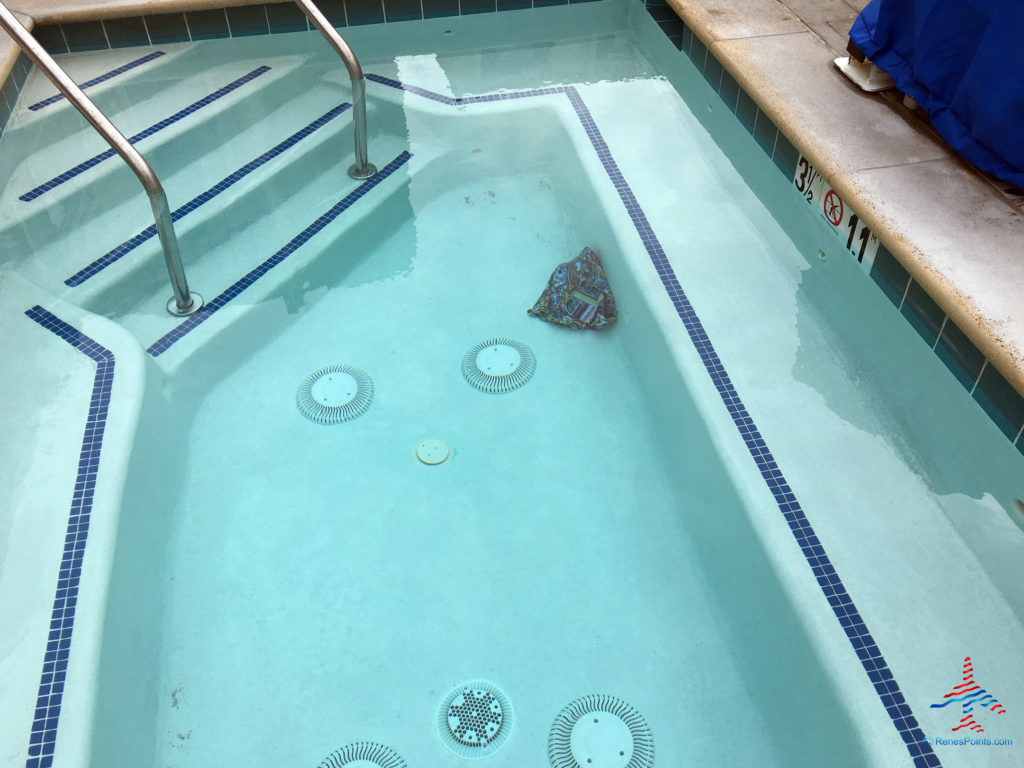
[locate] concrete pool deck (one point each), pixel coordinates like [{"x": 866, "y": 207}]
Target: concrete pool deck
[{"x": 946, "y": 225}]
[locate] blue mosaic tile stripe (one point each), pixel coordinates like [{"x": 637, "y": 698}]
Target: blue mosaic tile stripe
[
  {"x": 129, "y": 245},
  {"x": 453, "y": 102},
  {"x": 165, "y": 342},
  {"x": 101, "y": 79},
  {"x": 43, "y": 737},
  {"x": 167, "y": 121},
  {"x": 824, "y": 572},
  {"x": 511, "y": 95},
  {"x": 411, "y": 89},
  {"x": 831, "y": 585}
]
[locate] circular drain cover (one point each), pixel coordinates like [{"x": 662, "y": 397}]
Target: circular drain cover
[
  {"x": 334, "y": 394},
  {"x": 433, "y": 450},
  {"x": 363, "y": 754},
  {"x": 332, "y": 390},
  {"x": 601, "y": 740},
  {"x": 499, "y": 365},
  {"x": 498, "y": 359},
  {"x": 475, "y": 719},
  {"x": 600, "y": 732}
]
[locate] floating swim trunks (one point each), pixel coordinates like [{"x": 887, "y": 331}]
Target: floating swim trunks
[{"x": 578, "y": 295}]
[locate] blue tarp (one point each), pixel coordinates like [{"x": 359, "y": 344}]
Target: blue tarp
[{"x": 963, "y": 61}]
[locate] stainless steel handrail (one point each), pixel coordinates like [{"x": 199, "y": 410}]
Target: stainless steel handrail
[
  {"x": 184, "y": 302},
  {"x": 363, "y": 168}
]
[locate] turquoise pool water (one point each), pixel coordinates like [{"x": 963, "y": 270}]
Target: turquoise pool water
[
  {"x": 551, "y": 554},
  {"x": 280, "y": 589}
]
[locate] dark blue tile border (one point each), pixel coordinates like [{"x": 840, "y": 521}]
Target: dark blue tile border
[
  {"x": 101, "y": 79},
  {"x": 132, "y": 243},
  {"x": 846, "y": 612},
  {"x": 32, "y": 194},
  {"x": 410, "y": 88},
  {"x": 166, "y": 341},
  {"x": 43, "y": 737}
]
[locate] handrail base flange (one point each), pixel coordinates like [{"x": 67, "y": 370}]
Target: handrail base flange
[
  {"x": 195, "y": 305},
  {"x": 366, "y": 173}
]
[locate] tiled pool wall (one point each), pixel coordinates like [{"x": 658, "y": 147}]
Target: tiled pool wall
[
  {"x": 238, "y": 21},
  {"x": 1003, "y": 404},
  {"x": 12, "y": 88},
  {"x": 246, "y": 20}
]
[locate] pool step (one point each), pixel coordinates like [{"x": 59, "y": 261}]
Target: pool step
[
  {"x": 73, "y": 178},
  {"x": 250, "y": 160},
  {"x": 161, "y": 71},
  {"x": 49, "y": 142},
  {"x": 68, "y": 231},
  {"x": 112, "y": 277},
  {"x": 316, "y": 235},
  {"x": 251, "y": 180},
  {"x": 173, "y": 77}
]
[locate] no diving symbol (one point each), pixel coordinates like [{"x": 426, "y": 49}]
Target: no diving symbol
[{"x": 833, "y": 207}]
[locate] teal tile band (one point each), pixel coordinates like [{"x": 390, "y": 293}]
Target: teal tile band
[
  {"x": 1001, "y": 401},
  {"x": 167, "y": 28},
  {"x": 923, "y": 313},
  {"x": 962, "y": 358}
]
